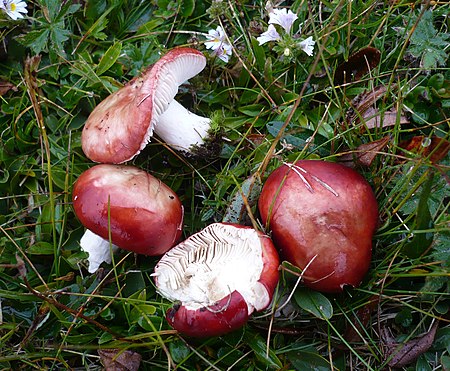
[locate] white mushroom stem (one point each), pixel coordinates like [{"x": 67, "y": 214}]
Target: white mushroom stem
[
  {"x": 182, "y": 129},
  {"x": 98, "y": 248}
]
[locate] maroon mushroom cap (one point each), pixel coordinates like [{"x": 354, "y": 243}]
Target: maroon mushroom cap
[
  {"x": 122, "y": 124},
  {"x": 143, "y": 214},
  {"x": 219, "y": 276},
  {"x": 324, "y": 214}
]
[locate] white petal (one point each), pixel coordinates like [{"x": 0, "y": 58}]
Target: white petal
[
  {"x": 308, "y": 46},
  {"x": 215, "y": 38},
  {"x": 212, "y": 44},
  {"x": 224, "y": 51},
  {"x": 283, "y": 18},
  {"x": 217, "y": 34},
  {"x": 14, "y": 8},
  {"x": 270, "y": 35}
]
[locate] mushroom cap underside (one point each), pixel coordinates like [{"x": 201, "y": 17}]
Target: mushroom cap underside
[{"x": 214, "y": 274}]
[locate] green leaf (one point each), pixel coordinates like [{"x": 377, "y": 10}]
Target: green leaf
[
  {"x": 142, "y": 315},
  {"x": 4, "y": 176},
  {"x": 36, "y": 40},
  {"x": 109, "y": 58},
  {"x": 308, "y": 360},
  {"x": 59, "y": 36},
  {"x": 423, "y": 364},
  {"x": 445, "y": 362},
  {"x": 150, "y": 25},
  {"x": 314, "y": 302},
  {"x": 436, "y": 81},
  {"x": 298, "y": 138},
  {"x": 51, "y": 31},
  {"x": 105, "y": 338},
  {"x": 41, "y": 248},
  {"x": 404, "y": 317},
  {"x": 96, "y": 30},
  {"x": 187, "y": 8},
  {"x": 237, "y": 210},
  {"x": 179, "y": 351},
  {"x": 441, "y": 248},
  {"x": 252, "y": 110},
  {"x": 423, "y": 221},
  {"x": 427, "y": 43},
  {"x": 81, "y": 339},
  {"x": 268, "y": 358},
  {"x": 442, "y": 340},
  {"x": 260, "y": 55}
]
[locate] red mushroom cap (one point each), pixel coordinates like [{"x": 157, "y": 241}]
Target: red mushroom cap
[
  {"x": 227, "y": 315},
  {"x": 122, "y": 124},
  {"x": 219, "y": 276},
  {"x": 324, "y": 213},
  {"x": 145, "y": 215}
]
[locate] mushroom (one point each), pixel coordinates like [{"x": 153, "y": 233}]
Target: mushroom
[
  {"x": 322, "y": 217},
  {"x": 217, "y": 277},
  {"x": 122, "y": 124},
  {"x": 138, "y": 211}
]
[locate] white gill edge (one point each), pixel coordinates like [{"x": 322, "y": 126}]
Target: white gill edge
[
  {"x": 98, "y": 249},
  {"x": 210, "y": 265},
  {"x": 172, "y": 75}
]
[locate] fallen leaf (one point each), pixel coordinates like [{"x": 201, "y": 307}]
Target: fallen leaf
[
  {"x": 435, "y": 148},
  {"x": 357, "y": 65},
  {"x": 21, "y": 267},
  {"x": 402, "y": 354},
  {"x": 364, "y": 154},
  {"x": 373, "y": 118},
  {"x": 364, "y": 110},
  {"x": 6, "y": 86},
  {"x": 118, "y": 360},
  {"x": 41, "y": 317},
  {"x": 368, "y": 98},
  {"x": 363, "y": 315},
  {"x": 256, "y": 139},
  {"x": 244, "y": 197}
]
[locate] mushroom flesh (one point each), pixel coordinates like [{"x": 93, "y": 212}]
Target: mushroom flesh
[{"x": 218, "y": 277}]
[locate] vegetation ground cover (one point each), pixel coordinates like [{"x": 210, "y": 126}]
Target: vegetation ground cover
[{"x": 365, "y": 83}]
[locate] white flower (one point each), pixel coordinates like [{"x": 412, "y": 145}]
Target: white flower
[
  {"x": 215, "y": 37},
  {"x": 270, "y": 35},
  {"x": 14, "y": 8},
  {"x": 307, "y": 46},
  {"x": 218, "y": 43},
  {"x": 224, "y": 52},
  {"x": 268, "y": 7},
  {"x": 282, "y": 17}
]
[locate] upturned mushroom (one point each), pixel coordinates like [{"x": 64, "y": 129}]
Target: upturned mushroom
[
  {"x": 322, "y": 217},
  {"x": 217, "y": 278},
  {"x": 136, "y": 210},
  {"x": 123, "y": 123}
]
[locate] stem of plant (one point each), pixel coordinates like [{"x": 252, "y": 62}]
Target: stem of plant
[{"x": 31, "y": 65}]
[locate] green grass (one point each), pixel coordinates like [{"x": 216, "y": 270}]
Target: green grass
[{"x": 270, "y": 108}]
